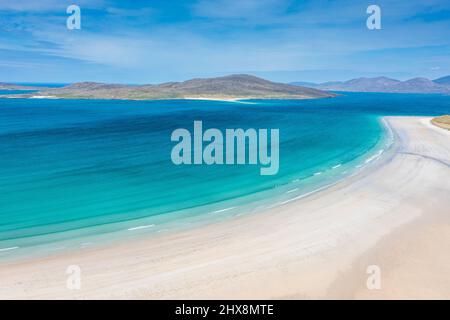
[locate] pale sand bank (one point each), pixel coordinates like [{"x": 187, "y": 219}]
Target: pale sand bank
[{"x": 394, "y": 214}]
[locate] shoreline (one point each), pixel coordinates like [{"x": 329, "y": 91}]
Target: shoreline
[
  {"x": 294, "y": 251},
  {"x": 237, "y": 100}
]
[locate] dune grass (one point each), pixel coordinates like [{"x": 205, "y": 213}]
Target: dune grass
[{"x": 442, "y": 121}]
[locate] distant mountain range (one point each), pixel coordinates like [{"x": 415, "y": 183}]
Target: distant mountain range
[
  {"x": 10, "y": 86},
  {"x": 240, "y": 86},
  {"x": 384, "y": 84},
  {"x": 232, "y": 87},
  {"x": 443, "y": 80}
]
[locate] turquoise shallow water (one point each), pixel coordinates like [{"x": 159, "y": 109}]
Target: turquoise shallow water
[{"x": 75, "y": 173}]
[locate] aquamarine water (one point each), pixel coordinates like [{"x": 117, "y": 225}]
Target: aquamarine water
[{"x": 75, "y": 173}]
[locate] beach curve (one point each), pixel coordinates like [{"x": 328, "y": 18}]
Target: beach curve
[{"x": 298, "y": 250}]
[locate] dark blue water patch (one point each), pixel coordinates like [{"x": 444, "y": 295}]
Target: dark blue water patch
[
  {"x": 42, "y": 84},
  {"x": 380, "y": 104},
  {"x": 4, "y": 92}
]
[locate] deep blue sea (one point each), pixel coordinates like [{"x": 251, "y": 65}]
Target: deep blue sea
[
  {"x": 3, "y": 92},
  {"x": 74, "y": 173}
]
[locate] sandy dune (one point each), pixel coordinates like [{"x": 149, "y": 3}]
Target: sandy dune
[{"x": 394, "y": 214}]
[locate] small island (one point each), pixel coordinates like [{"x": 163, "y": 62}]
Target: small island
[{"x": 229, "y": 88}]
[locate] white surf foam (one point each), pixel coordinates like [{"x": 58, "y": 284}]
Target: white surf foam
[
  {"x": 223, "y": 210},
  {"x": 141, "y": 227},
  {"x": 8, "y": 249}
]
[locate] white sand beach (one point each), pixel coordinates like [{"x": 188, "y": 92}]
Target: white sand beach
[
  {"x": 395, "y": 214},
  {"x": 43, "y": 97}
]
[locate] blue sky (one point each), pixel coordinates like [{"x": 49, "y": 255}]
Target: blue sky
[{"x": 172, "y": 40}]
